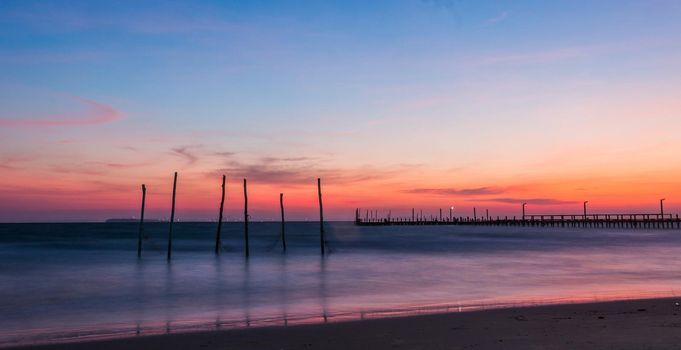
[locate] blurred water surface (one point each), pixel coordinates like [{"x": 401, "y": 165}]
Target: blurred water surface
[{"x": 76, "y": 281}]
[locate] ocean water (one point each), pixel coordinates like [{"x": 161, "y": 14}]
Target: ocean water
[{"x": 66, "y": 282}]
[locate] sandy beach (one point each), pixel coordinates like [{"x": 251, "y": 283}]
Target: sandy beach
[{"x": 635, "y": 324}]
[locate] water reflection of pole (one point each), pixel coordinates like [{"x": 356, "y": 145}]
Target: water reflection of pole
[
  {"x": 283, "y": 289},
  {"x": 140, "y": 293},
  {"x": 246, "y": 292},
  {"x": 322, "y": 287},
  {"x": 218, "y": 291},
  {"x": 169, "y": 306}
]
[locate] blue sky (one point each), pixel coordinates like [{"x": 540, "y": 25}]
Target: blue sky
[{"x": 407, "y": 89}]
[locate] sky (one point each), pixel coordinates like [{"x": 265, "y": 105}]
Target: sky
[{"x": 393, "y": 104}]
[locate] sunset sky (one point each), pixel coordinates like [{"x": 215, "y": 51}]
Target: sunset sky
[{"x": 394, "y": 104}]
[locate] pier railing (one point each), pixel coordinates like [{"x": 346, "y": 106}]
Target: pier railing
[{"x": 637, "y": 220}]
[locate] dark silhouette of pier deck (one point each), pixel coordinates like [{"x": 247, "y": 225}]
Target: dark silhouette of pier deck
[{"x": 638, "y": 220}]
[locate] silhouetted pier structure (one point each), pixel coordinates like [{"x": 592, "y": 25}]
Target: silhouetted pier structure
[{"x": 638, "y": 220}]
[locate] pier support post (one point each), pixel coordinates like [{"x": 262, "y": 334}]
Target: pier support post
[
  {"x": 321, "y": 215},
  {"x": 172, "y": 219},
  {"x": 222, "y": 206},
  {"x": 141, "y": 229},
  {"x": 246, "y": 250},
  {"x": 283, "y": 234}
]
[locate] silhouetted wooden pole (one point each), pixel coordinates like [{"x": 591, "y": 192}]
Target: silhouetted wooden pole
[
  {"x": 283, "y": 234},
  {"x": 141, "y": 231},
  {"x": 172, "y": 218},
  {"x": 321, "y": 215},
  {"x": 246, "y": 219},
  {"x": 222, "y": 206}
]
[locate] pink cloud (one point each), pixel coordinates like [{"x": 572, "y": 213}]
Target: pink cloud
[{"x": 93, "y": 113}]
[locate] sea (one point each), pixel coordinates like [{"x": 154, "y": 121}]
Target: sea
[{"x": 64, "y": 282}]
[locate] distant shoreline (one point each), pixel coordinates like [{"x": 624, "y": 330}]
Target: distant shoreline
[{"x": 644, "y": 323}]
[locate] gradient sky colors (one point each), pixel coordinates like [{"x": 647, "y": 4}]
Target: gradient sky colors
[{"x": 394, "y": 104}]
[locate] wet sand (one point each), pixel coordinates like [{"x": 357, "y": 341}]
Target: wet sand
[{"x": 636, "y": 324}]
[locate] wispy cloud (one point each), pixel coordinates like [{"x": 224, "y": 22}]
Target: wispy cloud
[
  {"x": 300, "y": 170},
  {"x": 534, "y": 201},
  {"x": 78, "y": 169},
  {"x": 286, "y": 159},
  {"x": 11, "y": 161},
  {"x": 184, "y": 152},
  {"x": 172, "y": 18},
  {"x": 457, "y": 191},
  {"x": 224, "y": 154},
  {"x": 536, "y": 56},
  {"x": 125, "y": 165},
  {"x": 569, "y": 52},
  {"x": 94, "y": 113},
  {"x": 496, "y": 19}
]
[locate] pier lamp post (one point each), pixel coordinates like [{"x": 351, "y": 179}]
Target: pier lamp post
[
  {"x": 524, "y": 204},
  {"x": 662, "y": 207},
  {"x": 585, "y": 203},
  {"x": 450, "y": 213}
]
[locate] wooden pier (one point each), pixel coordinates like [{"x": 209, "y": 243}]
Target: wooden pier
[{"x": 639, "y": 220}]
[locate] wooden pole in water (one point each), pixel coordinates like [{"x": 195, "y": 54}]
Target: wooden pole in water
[
  {"x": 222, "y": 206},
  {"x": 172, "y": 218},
  {"x": 321, "y": 215},
  {"x": 141, "y": 231},
  {"x": 283, "y": 234},
  {"x": 246, "y": 219}
]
